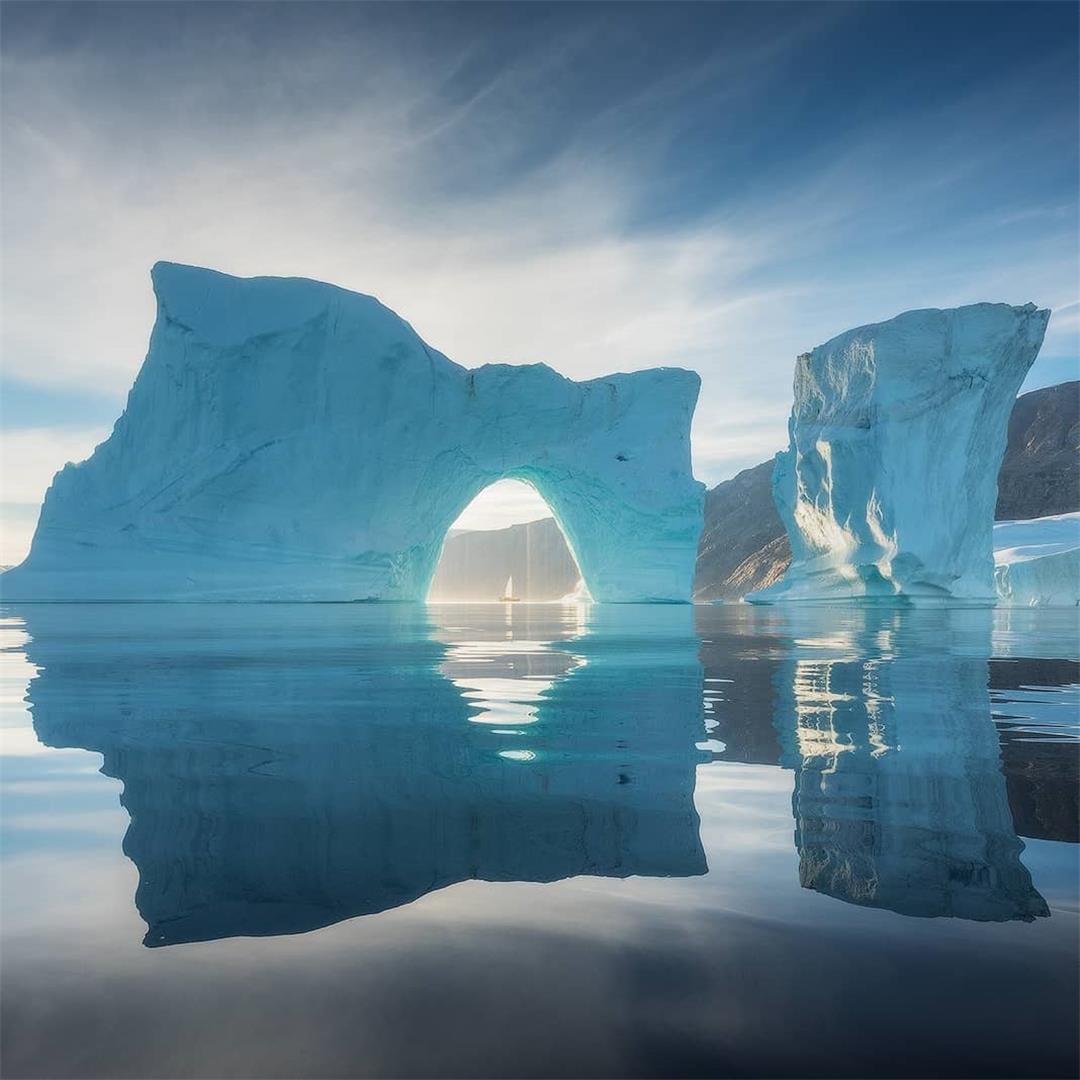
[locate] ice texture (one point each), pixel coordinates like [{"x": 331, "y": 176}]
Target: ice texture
[
  {"x": 291, "y": 440},
  {"x": 896, "y": 437},
  {"x": 1037, "y": 562}
]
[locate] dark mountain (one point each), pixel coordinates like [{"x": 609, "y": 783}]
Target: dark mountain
[
  {"x": 761, "y": 569},
  {"x": 1040, "y": 474},
  {"x": 740, "y": 521}
]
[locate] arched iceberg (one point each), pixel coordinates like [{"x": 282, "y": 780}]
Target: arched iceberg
[{"x": 290, "y": 440}]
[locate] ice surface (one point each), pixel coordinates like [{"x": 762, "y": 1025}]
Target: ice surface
[
  {"x": 290, "y": 440},
  {"x": 896, "y": 437},
  {"x": 1037, "y": 562}
]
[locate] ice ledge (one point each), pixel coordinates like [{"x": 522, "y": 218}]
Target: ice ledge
[{"x": 1037, "y": 562}]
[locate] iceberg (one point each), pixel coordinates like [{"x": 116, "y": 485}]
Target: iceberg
[
  {"x": 896, "y": 436},
  {"x": 1037, "y": 562},
  {"x": 286, "y": 439}
]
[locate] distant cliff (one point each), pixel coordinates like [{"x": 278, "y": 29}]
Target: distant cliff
[
  {"x": 475, "y": 565},
  {"x": 741, "y": 522},
  {"x": 1041, "y": 471}
]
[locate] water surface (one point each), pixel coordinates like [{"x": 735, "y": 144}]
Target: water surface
[{"x": 532, "y": 840}]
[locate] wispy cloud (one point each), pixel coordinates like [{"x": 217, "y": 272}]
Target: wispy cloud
[
  {"x": 28, "y": 460},
  {"x": 509, "y": 220},
  {"x": 504, "y": 503}
]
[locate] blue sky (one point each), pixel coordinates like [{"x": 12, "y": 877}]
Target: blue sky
[{"x": 600, "y": 187}]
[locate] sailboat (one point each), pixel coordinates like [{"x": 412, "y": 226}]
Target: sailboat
[{"x": 508, "y": 596}]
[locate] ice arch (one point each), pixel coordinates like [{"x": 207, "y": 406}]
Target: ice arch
[{"x": 290, "y": 440}]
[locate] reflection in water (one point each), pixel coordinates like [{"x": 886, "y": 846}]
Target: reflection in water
[
  {"x": 506, "y": 677},
  {"x": 1040, "y": 745},
  {"x": 289, "y": 767},
  {"x": 899, "y": 799}
]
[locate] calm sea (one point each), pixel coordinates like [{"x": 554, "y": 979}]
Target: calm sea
[{"x": 532, "y": 840}]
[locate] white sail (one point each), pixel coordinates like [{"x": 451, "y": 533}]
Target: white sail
[{"x": 509, "y": 586}]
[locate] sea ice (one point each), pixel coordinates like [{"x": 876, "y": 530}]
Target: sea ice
[{"x": 1037, "y": 562}]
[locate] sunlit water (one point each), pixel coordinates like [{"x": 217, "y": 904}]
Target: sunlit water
[{"x": 358, "y": 840}]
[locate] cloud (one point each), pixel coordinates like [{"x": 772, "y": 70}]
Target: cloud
[
  {"x": 506, "y": 221},
  {"x": 29, "y": 458},
  {"x": 504, "y": 503}
]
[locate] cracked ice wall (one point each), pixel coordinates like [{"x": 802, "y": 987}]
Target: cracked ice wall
[{"x": 897, "y": 433}]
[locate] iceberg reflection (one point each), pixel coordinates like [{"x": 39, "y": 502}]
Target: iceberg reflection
[
  {"x": 900, "y": 801},
  {"x": 289, "y": 767}
]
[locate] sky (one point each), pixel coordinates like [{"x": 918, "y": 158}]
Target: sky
[{"x": 600, "y": 187}]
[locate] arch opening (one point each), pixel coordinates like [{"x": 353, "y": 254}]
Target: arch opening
[{"x": 507, "y": 542}]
